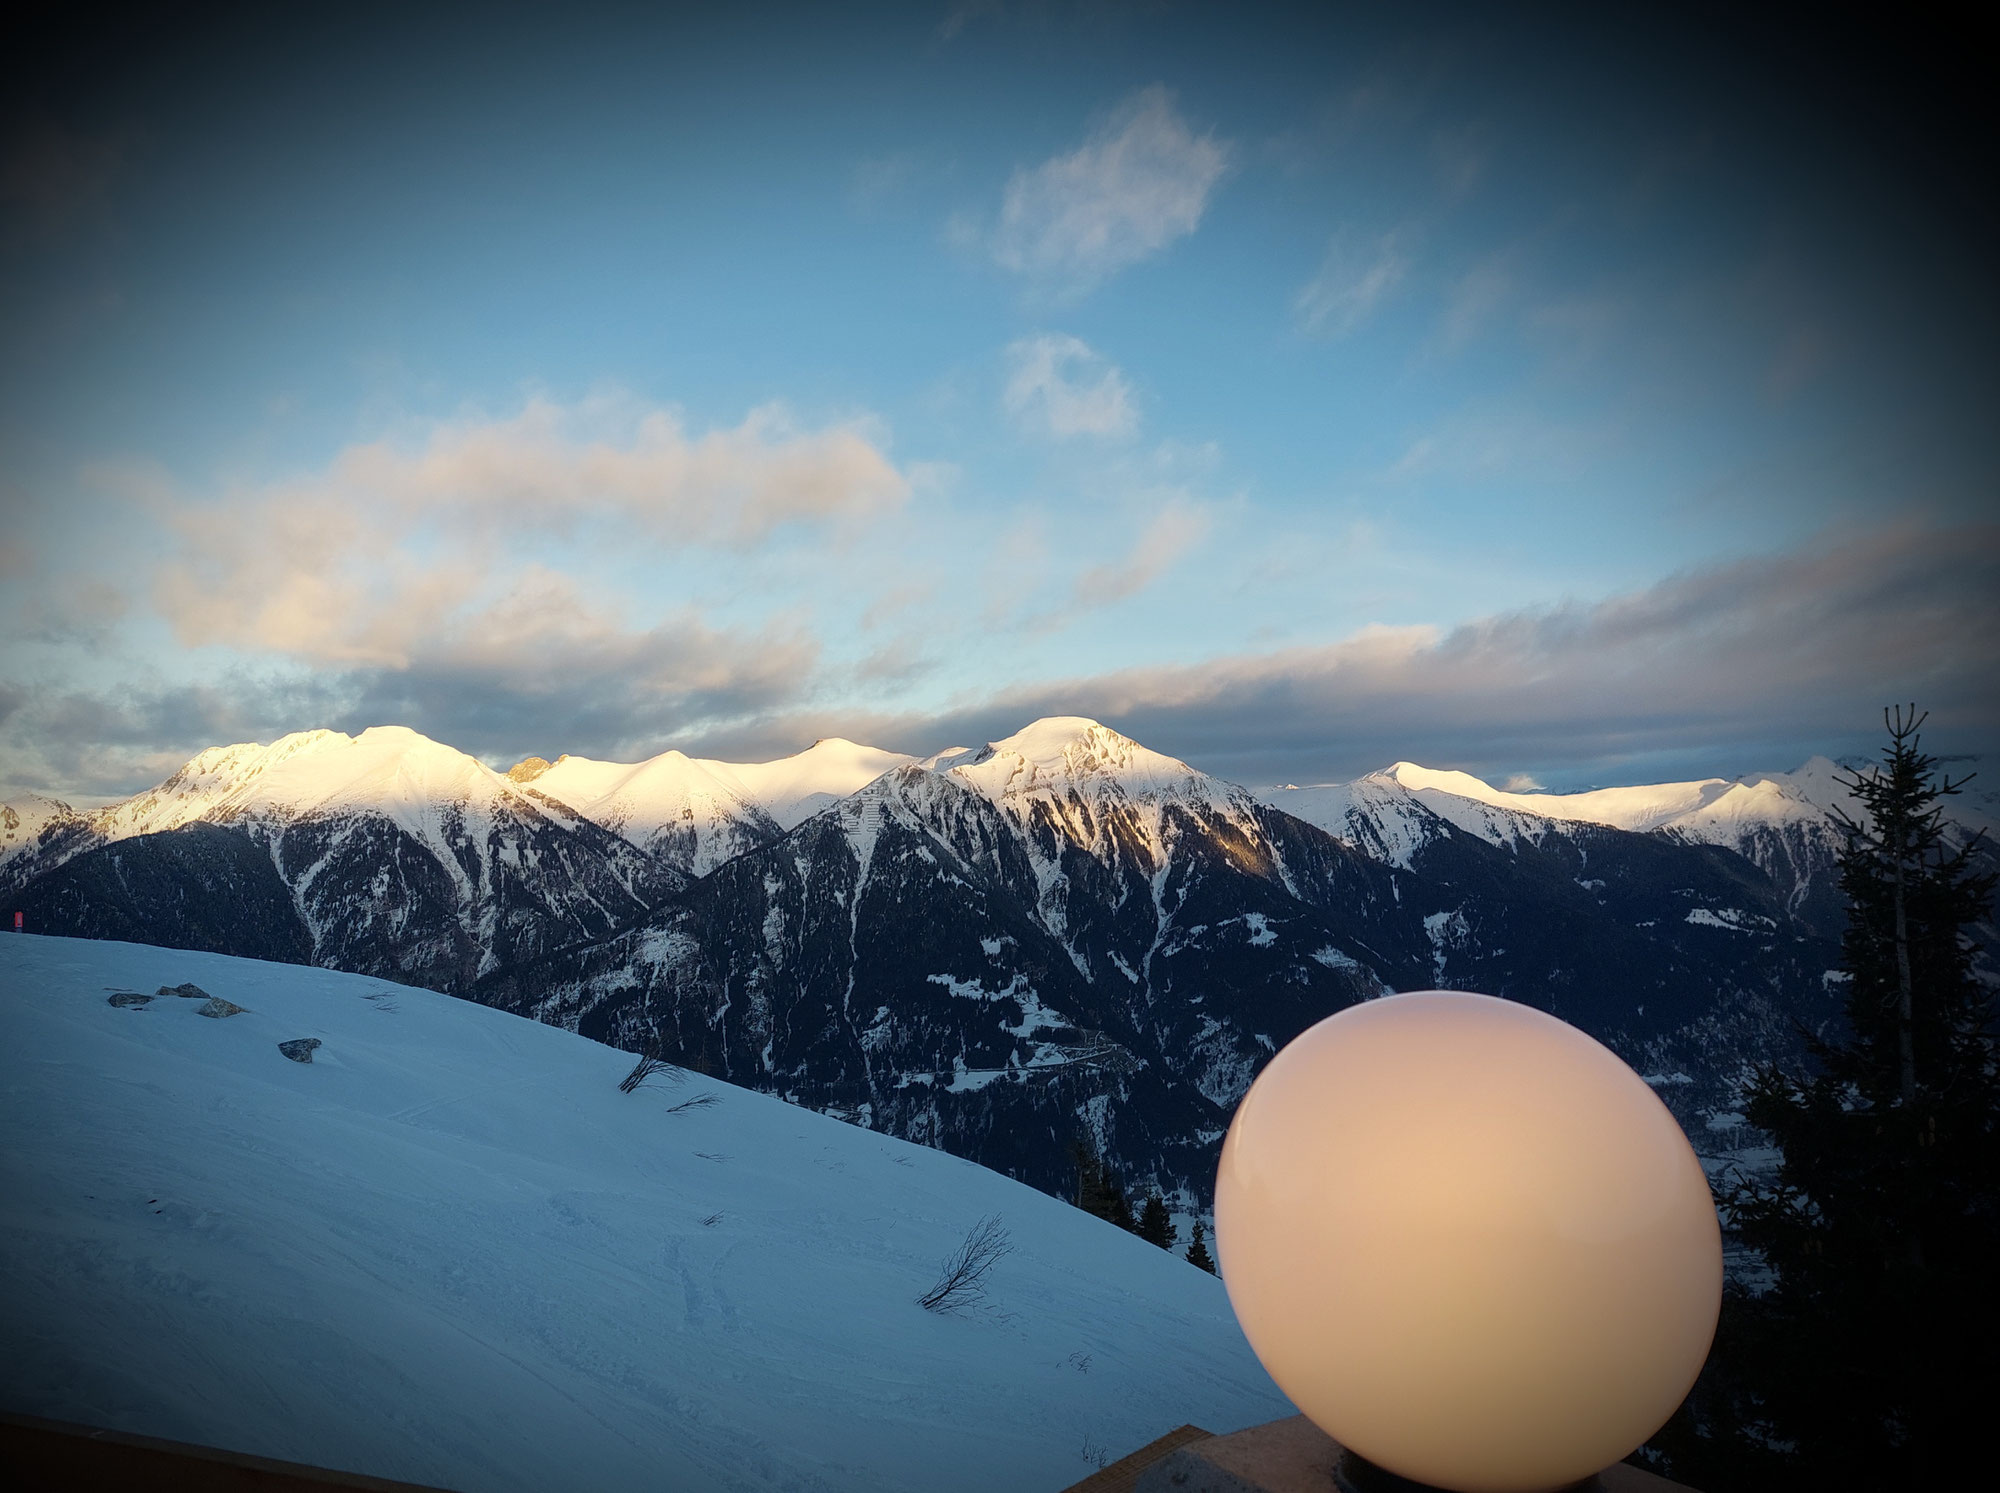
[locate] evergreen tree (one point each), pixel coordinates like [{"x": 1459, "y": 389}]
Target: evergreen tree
[
  {"x": 1871, "y": 1360},
  {"x": 1098, "y": 1191},
  {"x": 1197, "y": 1250},
  {"x": 1155, "y": 1226}
]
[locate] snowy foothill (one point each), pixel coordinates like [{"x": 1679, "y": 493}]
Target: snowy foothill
[{"x": 444, "y": 1247}]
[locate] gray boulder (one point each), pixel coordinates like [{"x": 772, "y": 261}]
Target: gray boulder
[
  {"x": 129, "y": 998},
  {"x": 217, "y": 1007},
  {"x": 299, "y": 1049},
  {"x": 189, "y": 991}
]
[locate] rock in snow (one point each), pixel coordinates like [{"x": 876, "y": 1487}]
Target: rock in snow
[{"x": 299, "y": 1049}]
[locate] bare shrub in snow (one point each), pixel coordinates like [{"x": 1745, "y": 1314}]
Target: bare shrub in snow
[
  {"x": 961, "y": 1281},
  {"x": 649, "y": 1064}
]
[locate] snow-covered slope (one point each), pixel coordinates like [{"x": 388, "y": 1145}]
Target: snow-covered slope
[
  {"x": 694, "y": 813},
  {"x": 30, "y": 823},
  {"x": 1712, "y": 809},
  {"x": 670, "y": 806},
  {"x": 449, "y": 1250},
  {"x": 793, "y": 789},
  {"x": 1781, "y": 822},
  {"x": 1382, "y": 819},
  {"x": 1646, "y": 807}
]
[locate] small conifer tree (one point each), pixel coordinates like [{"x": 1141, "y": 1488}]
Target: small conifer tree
[
  {"x": 1098, "y": 1191},
  {"x": 1155, "y": 1225},
  {"x": 1197, "y": 1250}
]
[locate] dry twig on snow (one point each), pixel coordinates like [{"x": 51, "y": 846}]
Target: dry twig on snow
[{"x": 961, "y": 1281}]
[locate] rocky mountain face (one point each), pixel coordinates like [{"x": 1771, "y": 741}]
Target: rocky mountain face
[
  {"x": 1062, "y": 935},
  {"x": 390, "y": 855},
  {"x": 1066, "y": 934}
]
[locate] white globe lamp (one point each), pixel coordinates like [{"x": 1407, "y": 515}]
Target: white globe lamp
[{"x": 1468, "y": 1242}]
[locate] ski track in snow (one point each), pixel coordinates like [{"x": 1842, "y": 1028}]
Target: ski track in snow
[{"x": 449, "y": 1250}]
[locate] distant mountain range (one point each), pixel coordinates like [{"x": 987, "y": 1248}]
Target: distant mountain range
[{"x": 998, "y": 951}]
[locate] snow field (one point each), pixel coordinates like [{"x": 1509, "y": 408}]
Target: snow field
[{"x": 449, "y": 1250}]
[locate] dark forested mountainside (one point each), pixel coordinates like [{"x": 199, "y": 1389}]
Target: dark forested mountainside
[
  {"x": 923, "y": 962},
  {"x": 1062, "y": 936},
  {"x": 198, "y": 887}
]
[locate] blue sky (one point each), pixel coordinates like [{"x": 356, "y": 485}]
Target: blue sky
[{"x": 1294, "y": 393}]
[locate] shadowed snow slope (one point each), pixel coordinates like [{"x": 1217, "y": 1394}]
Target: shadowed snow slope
[{"x": 449, "y": 1250}]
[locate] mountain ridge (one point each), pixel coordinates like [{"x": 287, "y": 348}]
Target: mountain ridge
[{"x": 1062, "y": 934}]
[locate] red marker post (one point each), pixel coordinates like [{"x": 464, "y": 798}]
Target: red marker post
[{"x": 17, "y": 922}]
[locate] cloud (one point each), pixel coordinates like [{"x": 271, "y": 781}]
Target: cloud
[
  {"x": 1735, "y": 668},
  {"x": 548, "y": 673},
  {"x": 963, "y": 15},
  {"x": 1059, "y": 386},
  {"x": 557, "y": 674},
  {"x": 1501, "y": 443},
  {"x": 1352, "y": 281},
  {"x": 82, "y": 611},
  {"x": 88, "y": 745},
  {"x": 1141, "y": 181},
  {"x": 396, "y": 551},
  {"x": 459, "y": 582},
  {"x": 1790, "y": 654},
  {"x": 1174, "y": 531},
  {"x": 553, "y": 463},
  {"x": 306, "y": 575}
]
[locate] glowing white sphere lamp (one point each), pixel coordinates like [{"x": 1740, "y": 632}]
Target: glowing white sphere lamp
[{"x": 1468, "y": 1242}]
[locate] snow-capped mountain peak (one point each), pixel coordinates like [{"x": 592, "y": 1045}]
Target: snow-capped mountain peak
[
  {"x": 1639, "y": 808},
  {"x": 386, "y": 850},
  {"x": 1377, "y": 813},
  {"x": 207, "y": 781},
  {"x": 1782, "y": 822},
  {"x": 695, "y": 813},
  {"x": 1072, "y": 754},
  {"x": 530, "y": 768},
  {"x": 390, "y": 770},
  {"x": 26, "y": 820},
  {"x": 793, "y": 789},
  {"x": 1068, "y": 782},
  {"x": 671, "y": 806}
]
